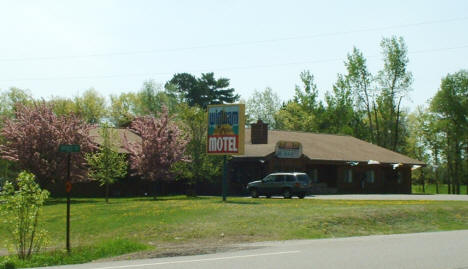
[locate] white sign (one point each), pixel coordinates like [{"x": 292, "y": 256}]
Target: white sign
[{"x": 288, "y": 149}]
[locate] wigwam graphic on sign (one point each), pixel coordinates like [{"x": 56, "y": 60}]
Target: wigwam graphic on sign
[{"x": 226, "y": 127}]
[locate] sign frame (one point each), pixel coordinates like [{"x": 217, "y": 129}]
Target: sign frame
[
  {"x": 240, "y": 135},
  {"x": 69, "y": 148}
]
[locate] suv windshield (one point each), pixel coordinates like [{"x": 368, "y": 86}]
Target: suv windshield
[{"x": 303, "y": 178}]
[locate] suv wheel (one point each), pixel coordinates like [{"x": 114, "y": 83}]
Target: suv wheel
[
  {"x": 287, "y": 193},
  {"x": 301, "y": 195},
  {"x": 254, "y": 193}
]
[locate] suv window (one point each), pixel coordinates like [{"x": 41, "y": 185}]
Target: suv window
[
  {"x": 290, "y": 178},
  {"x": 279, "y": 178},
  {"x": 269, "y": 178},
  {"x": 303, "y": 178}
]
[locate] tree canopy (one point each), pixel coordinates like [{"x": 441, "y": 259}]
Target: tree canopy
[
  {"x": 202, "y": 91},
  {"x": 32, "y": 139},
  {"x": 162, "y": 144}
]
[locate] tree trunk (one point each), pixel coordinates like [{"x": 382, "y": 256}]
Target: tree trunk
[
  {"x": 377, "y": 127},
  {"x": 107, "y": 192},
  {"x": 155, "y": 188},
  {"x": 369, "y": 115},
  {"x": 422, "y": 182},
  {"x": 436, "y": 157},
  {"x": 457, "y": 165},
  {"x": 449, "y": 162},
  {"x": 395, "y": 142}
]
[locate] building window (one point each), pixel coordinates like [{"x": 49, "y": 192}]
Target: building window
[
  {"x": 399, "y": 177},
  {"x": 314, "y": 175},
  {"x": 348, "y": 176},
  {"x": 370, "y": 176}
]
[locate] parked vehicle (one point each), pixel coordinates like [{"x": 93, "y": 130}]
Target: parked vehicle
[{"x": 286, "y": 184}]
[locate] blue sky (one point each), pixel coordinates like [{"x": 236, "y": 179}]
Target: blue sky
[{"x": 62, "y": 48}]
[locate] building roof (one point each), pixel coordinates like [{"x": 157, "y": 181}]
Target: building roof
[
  {"x": 326, "y": 147},
  {"x": 119, "y": 141}
]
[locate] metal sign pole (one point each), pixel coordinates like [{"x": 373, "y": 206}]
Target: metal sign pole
[
  {"x": 69, "y": 149},
  {"x": 224, "y": 179}
]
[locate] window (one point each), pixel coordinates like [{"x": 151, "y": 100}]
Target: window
[
  {"x": 370, "y": 176},
  {"x": 303, "y": 178},
  {"x": 290, "y": 178},
  {"x": 399, "y": 177},
  {"x": 348, "y": 176},
  {"x": 314, "y": 175},
  {"x": 279, "y": 178},
  {"x": 269, "y": 178}
]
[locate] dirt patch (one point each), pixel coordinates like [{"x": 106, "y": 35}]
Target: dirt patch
[{"x": 181, "y": 249}]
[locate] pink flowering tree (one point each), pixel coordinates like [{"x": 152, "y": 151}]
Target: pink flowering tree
[
  {"x": 162, "y": 145},
  {"x": 32, "y": 137}
]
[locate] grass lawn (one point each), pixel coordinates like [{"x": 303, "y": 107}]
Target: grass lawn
[
  {"x": 431, "y": 189},
  {"x": 178, "y": 222}
]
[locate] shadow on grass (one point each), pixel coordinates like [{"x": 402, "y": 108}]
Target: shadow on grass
[
  {"x": 239, "y": 202},
  {"x": 171, "y": 198},
  {"x": 56, "y": 201}
]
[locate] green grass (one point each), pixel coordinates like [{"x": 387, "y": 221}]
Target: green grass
[
  {"x": 81, "y": 254},
  {"x": 179, "y": 221},
  {"x": 431, "y": 189}
]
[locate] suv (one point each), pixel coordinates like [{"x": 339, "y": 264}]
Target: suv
[{"x": 286, "y": 184}]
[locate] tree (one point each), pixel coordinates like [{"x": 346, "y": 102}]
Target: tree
[
  {"x": 427, "y": 139},
  {"x": 201, "y": 166},
  {"x": 91, "y": 106},
  {"x": 63, "y": 106},
  {"x": 122, "y": 110},
  {"x": 10, "y": 100},
  {"x": 20, "y": 209},
  {"x": 107, "y": 164},
  {"x": 263, "y": 105},
  {"x": 151, "y": 99},
  {"x": 201, "y": 91},
  {"x": 450, "y": 105},
  {"x": 162, "y": 144},
  {"x": 417, "y": 146},
  {"x": 394, "y": 81},
  {"x": 32, "y": 139},
  {"x": 305, "y": 111},
  {"x": 341, "y": 115},
  {"x": 358, "y": 81}
]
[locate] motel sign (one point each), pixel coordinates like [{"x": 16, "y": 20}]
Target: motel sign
[{"x": 226, "y": 126}]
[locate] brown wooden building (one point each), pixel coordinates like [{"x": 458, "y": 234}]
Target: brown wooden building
[{"x": 336, "y": 163}]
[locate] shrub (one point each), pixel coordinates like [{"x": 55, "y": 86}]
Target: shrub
[{"x": 20, "y": 209}]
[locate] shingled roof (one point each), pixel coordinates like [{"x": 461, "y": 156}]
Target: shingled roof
[
  {"x": 326, "y": 147},
  {"x": 118, "y": 142}
]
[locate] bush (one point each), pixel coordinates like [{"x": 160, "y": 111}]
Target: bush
[
  {"x": 7, "y": 264},
  {"x": 20, "y": 208}
]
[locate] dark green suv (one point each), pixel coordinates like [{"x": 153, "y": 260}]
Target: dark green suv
[{"x": 286, "y": 184}]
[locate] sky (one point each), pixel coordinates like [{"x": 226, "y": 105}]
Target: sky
[{"x": 62, "y": 48}]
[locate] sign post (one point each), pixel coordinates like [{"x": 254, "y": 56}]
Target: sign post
[
  {"x": 68, "y": 186},
  {"x": 226, "y": 128}
]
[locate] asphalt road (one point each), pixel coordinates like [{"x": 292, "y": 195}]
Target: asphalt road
[
  {"x": 441, "y": 250},
  {"x": 435, "y": 197},
  {"x": 422, "y": 197}
]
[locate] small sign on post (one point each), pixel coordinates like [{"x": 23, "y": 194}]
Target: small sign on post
[
  {"x": 69, "y": 148},
  {"x": 68, "y": 186}
]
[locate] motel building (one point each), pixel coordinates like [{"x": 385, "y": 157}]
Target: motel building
[{"x": 335, "y": 163}]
